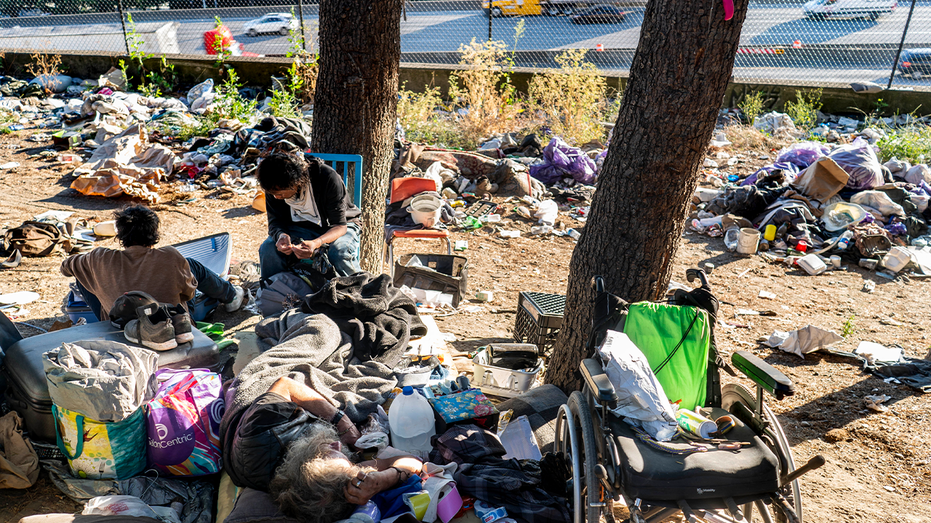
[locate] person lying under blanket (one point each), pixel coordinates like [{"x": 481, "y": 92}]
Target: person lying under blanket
[{"x": 295, "y": 444}]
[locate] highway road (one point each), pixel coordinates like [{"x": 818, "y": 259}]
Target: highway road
[{"x": 832, "y": 51}]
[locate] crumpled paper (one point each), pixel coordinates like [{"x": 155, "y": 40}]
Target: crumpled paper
[{"x": 804, "y": 340}]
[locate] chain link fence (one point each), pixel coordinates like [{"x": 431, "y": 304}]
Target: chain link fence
[{"x": 818, "y": 43}]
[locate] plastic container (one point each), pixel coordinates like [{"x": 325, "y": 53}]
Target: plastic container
[
  {"x": 813, "y": 264},
  {"x": 748, "y": 240},
  {"x": 412, "y": 423},
  {"x": 896, "y": 259},
  {"x": 425, "y": 210},
  {"x": 770, "y": 233},
  {"x": 844, "y": 241}
]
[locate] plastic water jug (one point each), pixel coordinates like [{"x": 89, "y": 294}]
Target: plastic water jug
[{"x": 412, "y": 423}]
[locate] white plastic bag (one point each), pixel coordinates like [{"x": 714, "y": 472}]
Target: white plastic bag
[
  {"x": 546, "y": 212},
  {"x": 641, "y": 399},
  {"x": 878, "y": 200}
]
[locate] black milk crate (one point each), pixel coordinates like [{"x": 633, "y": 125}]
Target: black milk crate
[{"x": 539, "y": 317}]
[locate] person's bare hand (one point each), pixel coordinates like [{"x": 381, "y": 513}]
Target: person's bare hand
[
  {"x": 305, "y": 249},
  {"x": 366, "y": 484},
  {"x": 284, "y": 244}
]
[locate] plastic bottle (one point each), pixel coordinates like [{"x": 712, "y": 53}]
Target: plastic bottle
[
  {"x": 412, "y": 423},
  {"x": 844, "y": 240}
]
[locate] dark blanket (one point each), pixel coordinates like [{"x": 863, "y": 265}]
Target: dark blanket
[
  {"x": 518, "y": 486},
  {"x": 376, "y": 316}
]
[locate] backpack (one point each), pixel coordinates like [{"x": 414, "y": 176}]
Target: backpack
[
  {"x": 281, "y": 292},
  {"x": 34, "y": 239}
]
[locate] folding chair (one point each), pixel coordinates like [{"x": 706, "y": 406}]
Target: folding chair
[{"x": 402, "y": 189}]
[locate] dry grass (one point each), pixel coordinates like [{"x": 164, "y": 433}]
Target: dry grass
[
  {"x": 44, "y": 65},
  {"x": 483, "y": 89},
  {"x": 573, "y": 100},
  {"x": 747, "y": 137}
]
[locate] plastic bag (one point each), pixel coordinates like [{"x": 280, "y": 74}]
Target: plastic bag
[
  {"x": 560, "y": 160},
  {"x": 880, "y": 201},
  {"x": 183, "y": 422},
  {"x": 641, "y": 399},
  {"x": 546, "y": 212},
  {"x": 917, "y": 174},
  {"x": 199, "y": 90},
  {"x": 859, "y": 161},
  {"x": 803, "y": 154},
  {"x": 774, "y": 123}
]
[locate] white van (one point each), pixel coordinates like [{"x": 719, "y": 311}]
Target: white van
[{"x": 871, "y": 9}]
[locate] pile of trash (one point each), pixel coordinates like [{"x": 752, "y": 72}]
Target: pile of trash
[
  {"x": 127, "y": 143},
  {"x": 819, "y": 205}
]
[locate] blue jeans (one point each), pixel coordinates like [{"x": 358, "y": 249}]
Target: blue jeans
[
  {"x": 343, "y": 253},
  {"x": 208, "y": 282}
]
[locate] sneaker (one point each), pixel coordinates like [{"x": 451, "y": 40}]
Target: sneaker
[
  {"x": 237, "y": 301},
  {"x": 152, "y": 329},
  {"x": 126, "y": 306},
  {"x": 182, "y": 325}
]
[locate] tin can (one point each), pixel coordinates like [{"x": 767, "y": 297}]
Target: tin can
[{"x": 695, "y": 423}]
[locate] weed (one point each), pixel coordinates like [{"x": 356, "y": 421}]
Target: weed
[
  {"x": 151, "y": 82},
  {"x": 751, "y": 106},
  {"x": 847, "y": 329},
  {"x": 422, "y": 119},
  {"x": 912, "y": 143},
  {"x": 483, "y": 90},
  {"x": 804, "y": 110},
  {"x": 229, "y": 103},
  {"x": 574, "y": 100}
]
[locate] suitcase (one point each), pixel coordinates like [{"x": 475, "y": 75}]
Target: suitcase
[{"x": 27, "y": 390}]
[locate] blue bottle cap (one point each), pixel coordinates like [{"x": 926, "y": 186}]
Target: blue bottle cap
[{"x": 408, "y": 390}]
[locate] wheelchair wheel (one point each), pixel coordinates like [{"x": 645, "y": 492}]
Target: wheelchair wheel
[
  {"x": 733, "y": 394},
  {"x": 575, "y": 438}
]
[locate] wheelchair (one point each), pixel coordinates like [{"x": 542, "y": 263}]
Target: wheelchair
[{"x": 757, "y": 481}]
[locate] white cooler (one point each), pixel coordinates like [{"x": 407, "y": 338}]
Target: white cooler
[{"x": 506, "y": 369}]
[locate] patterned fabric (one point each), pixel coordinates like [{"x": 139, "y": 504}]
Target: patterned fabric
[{"x": 483, "y": 474}]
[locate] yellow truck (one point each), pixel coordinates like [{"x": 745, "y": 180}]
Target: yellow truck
[{"x": 542, "y": 7}]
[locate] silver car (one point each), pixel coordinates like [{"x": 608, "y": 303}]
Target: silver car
[{"x": 280, "y": 23}]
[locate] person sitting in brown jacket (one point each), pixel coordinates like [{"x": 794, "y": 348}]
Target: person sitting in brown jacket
[{"x": 103, "y": 274}]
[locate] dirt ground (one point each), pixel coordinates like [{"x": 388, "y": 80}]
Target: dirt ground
[{"x": 878, "y": 464}]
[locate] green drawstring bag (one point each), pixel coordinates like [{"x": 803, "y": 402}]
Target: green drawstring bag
[{"x": 675, "y": 340}]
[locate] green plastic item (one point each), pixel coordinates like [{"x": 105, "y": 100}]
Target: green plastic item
[
  {"x": 471, "y": 223},
  {"x": 214, "y": 331},
  {"x": 675, "y": 340}
]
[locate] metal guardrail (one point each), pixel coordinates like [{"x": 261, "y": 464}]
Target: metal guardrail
[{"x": 782, "y": 40}]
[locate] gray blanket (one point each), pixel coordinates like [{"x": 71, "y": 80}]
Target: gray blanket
[{"x": 311, "y": 349}]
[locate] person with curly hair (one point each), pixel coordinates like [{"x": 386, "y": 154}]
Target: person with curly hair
[
  {"x": 308, "y": 207},
  {"x": 103, "y": 275},
  {"x": 295, "y": 444}
]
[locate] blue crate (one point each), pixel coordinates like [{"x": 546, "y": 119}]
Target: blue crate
[{"x": 77, "y": 309}]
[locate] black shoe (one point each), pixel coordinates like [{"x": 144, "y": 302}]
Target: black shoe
[
  {"x": 153, "y": 330},
  {"x": 182, "y": 324}
]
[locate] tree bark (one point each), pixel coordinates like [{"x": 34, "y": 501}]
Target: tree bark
[
  {"x": 677, "y": 81},
  {"x": 355, "y": 103}
]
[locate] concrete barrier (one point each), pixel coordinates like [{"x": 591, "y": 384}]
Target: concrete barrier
[{"x": 191, "y": 69}]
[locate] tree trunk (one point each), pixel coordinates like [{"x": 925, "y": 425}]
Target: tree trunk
[
  {"x": 355, "y": 103},
  {"x": 677, "y": 81}
]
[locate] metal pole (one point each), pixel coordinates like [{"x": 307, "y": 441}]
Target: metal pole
[
  {"x": 898, "y": 53},
  {"x": 300, "y": 11},
  {"x": 491, "y": 5},
  {"x": 119, "y": 5}
]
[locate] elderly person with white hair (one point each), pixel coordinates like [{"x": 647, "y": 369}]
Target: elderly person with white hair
[{"x": 295, "y": 444}]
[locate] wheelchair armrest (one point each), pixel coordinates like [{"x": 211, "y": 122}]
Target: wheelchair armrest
[
  {"x": 594, "y": 375},
  {"x": 763, "y": 374}
]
